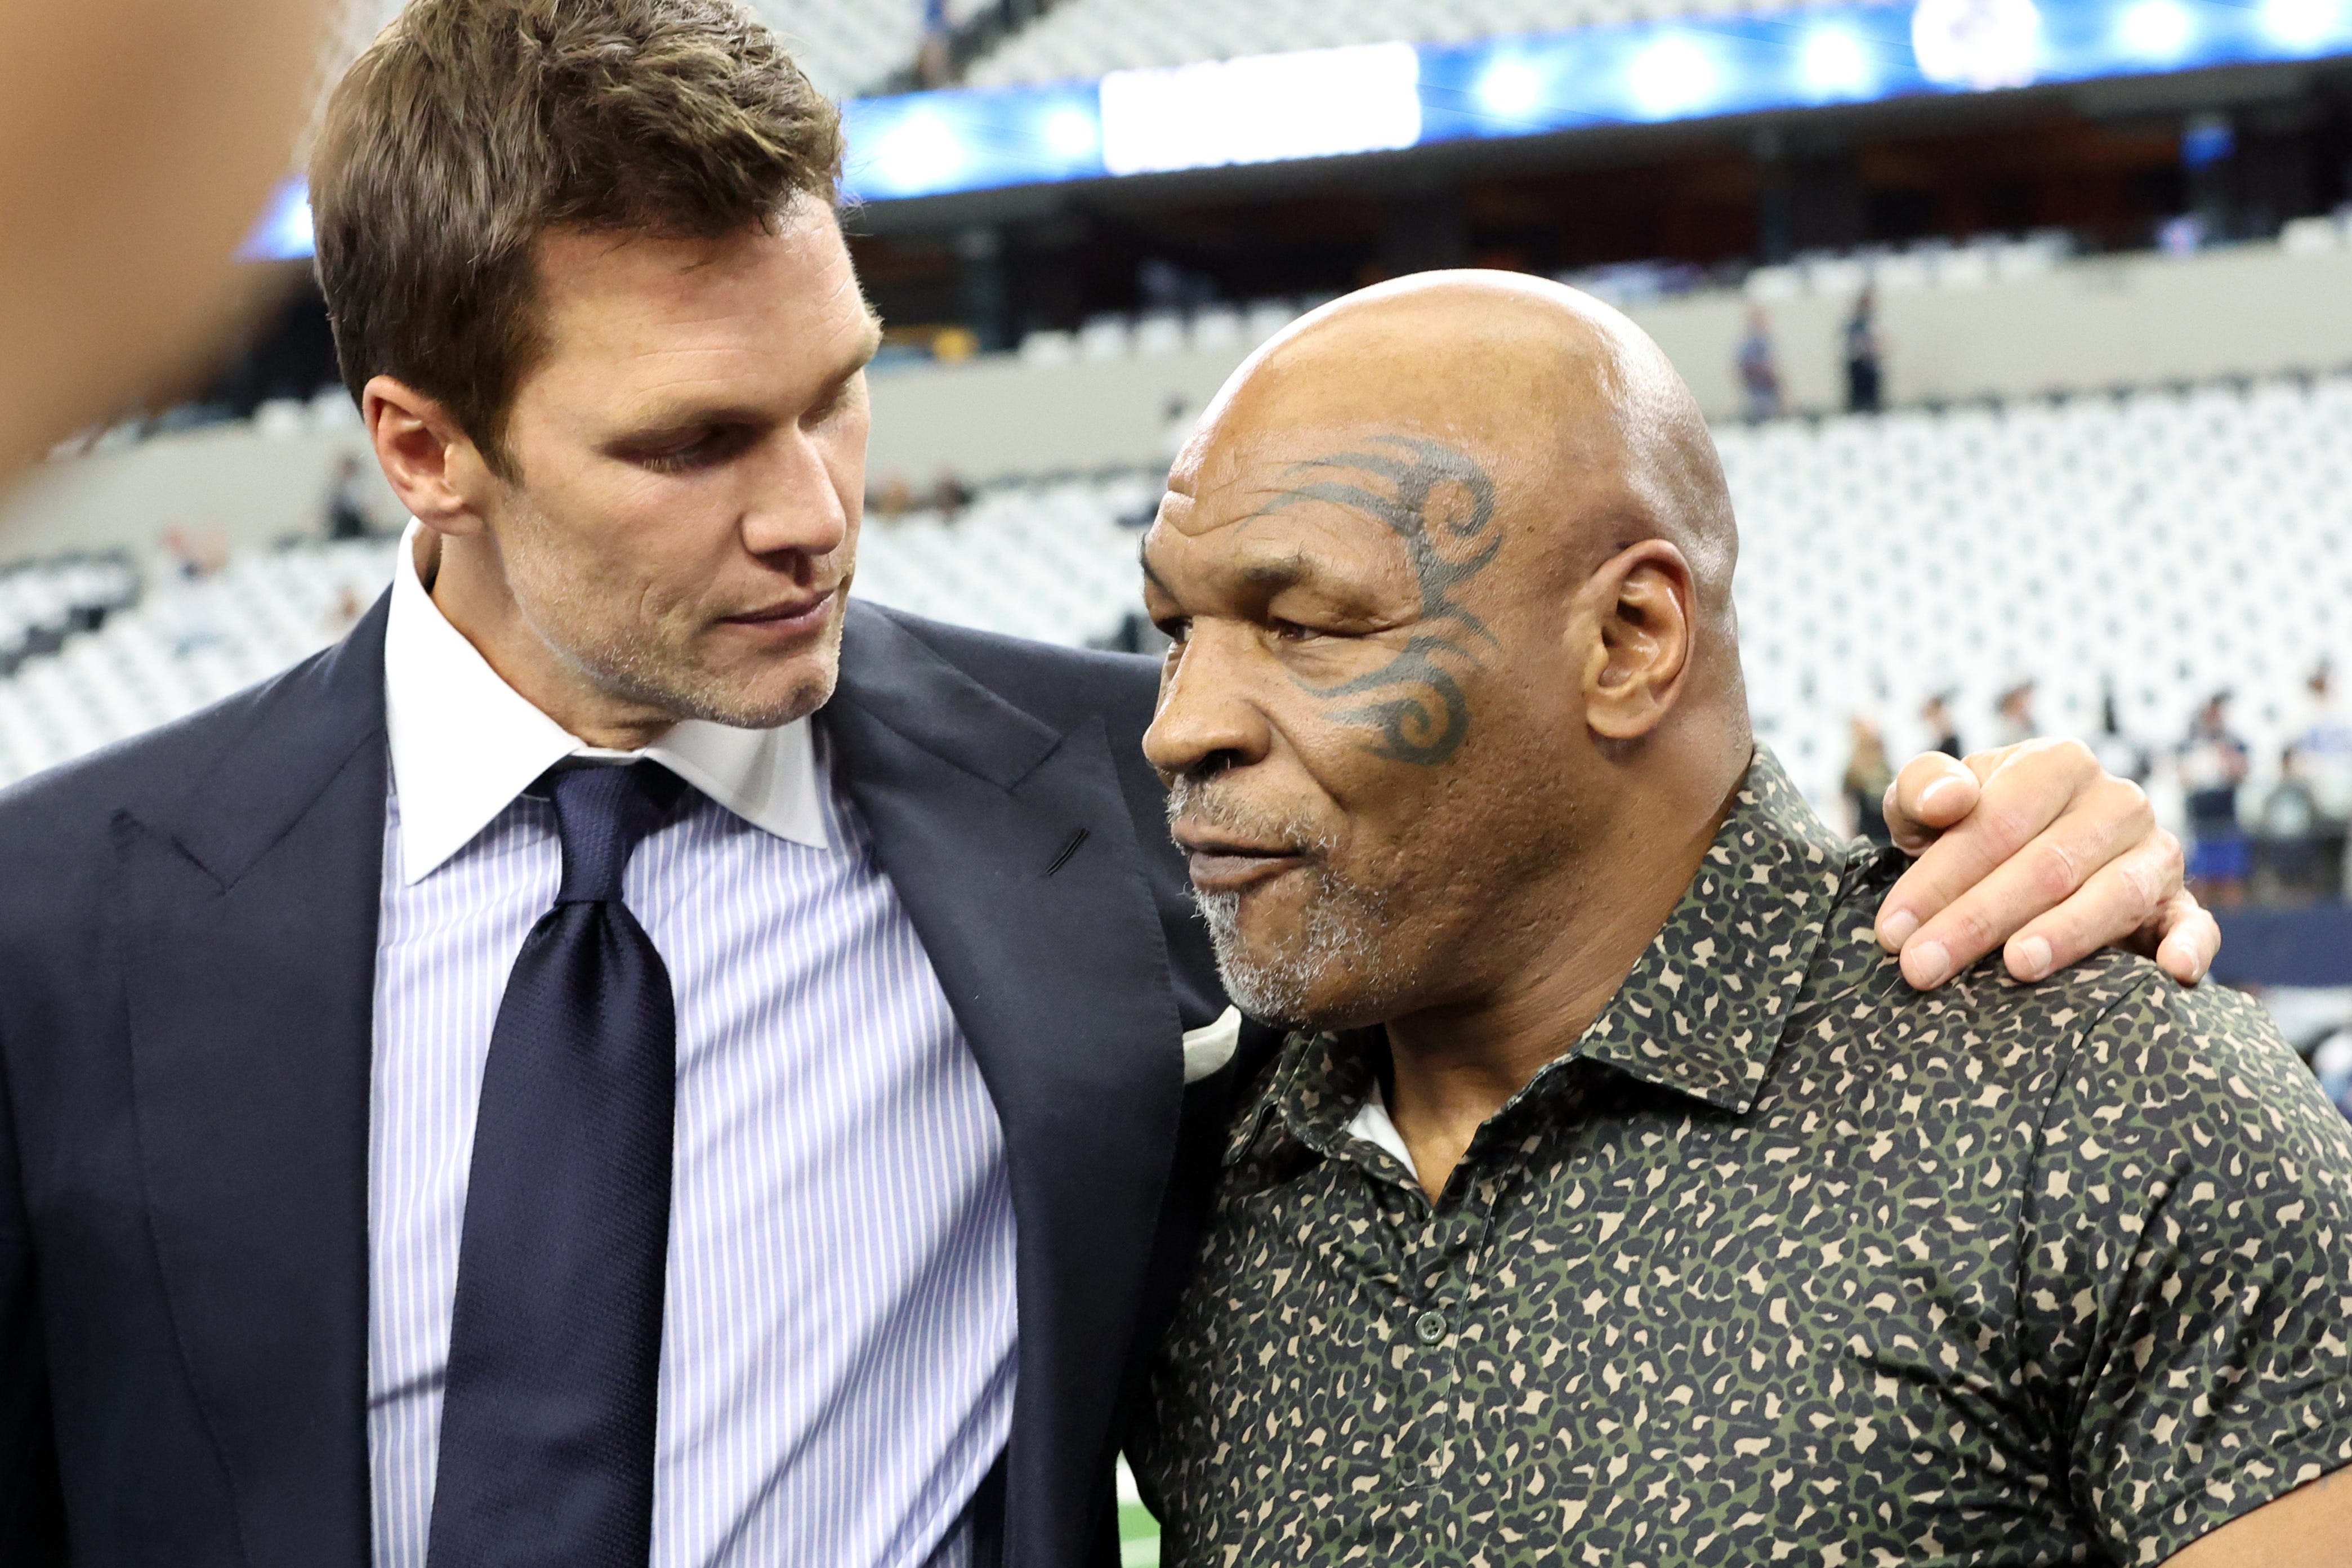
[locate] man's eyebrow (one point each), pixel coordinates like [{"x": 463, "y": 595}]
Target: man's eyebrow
[
  {"x": 1268, "y": 576},
  {"x": 664, "y": 419}
]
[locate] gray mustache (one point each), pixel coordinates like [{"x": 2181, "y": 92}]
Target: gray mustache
[{"x": 1217, "y": 808}]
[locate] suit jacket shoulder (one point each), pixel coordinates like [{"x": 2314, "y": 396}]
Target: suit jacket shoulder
[{"x": 1062, "y": 688}]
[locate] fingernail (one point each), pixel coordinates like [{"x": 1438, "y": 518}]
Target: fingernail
[
  {"x": 1944, "y": 785},
  {"x": 1927, "y": 964},
  {"x": 2034, "y": 957},
  {"x": 1895, "y": 929}
]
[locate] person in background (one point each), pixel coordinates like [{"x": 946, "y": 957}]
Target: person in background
[
  {"x": 347, "y": 513},
  {"x": 1760, "y": 369},
  {"x": 2213, "y": 763},
  {"x": 949, "y": 495},
  {"x": 892, "y": 498},
  {"x": 2117, "y": 752},
  {"x": 1943, "y": 735},
  {"x": 934, "y": 56},
  {"x": 1865, "y": 390},
  {"x": 2013, "y": 715},
  {"x": 1867, "y": 777},
  {"x": 2323, "y": 755},
  {"x": 2288, "y": 851}
]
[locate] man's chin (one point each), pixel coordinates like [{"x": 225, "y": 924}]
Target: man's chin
[
  {"x": 1295, "y": 993},
  {"x": 768, "y": 701}
]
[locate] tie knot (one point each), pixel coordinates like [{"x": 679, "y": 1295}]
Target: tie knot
[{"x": 603, "y": 811}]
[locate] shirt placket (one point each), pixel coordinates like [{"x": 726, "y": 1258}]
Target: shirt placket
[{"x": 1441, "y": 1250}]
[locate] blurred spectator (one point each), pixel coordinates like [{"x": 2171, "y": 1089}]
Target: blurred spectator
[
  {"x": 891, "y": 499},
  {"x": 934, "y": 59},
  {"x": 2326, "y": 745},
  {"x": 2292, "y": 861},
  {"x": 950, "y": 495},
  {"x": 1943, "y": 735},
  {"x": 2322, "y": 752},
  {"x": 1864, "y": 390},
  {"x": 347, "y": 513},
  {"x": 1868, "y": 774},
  {"x": 2118, "y": 753},
  {"x": 2013, "y": 715},
  {"x": 2212, "y": 764},
  {"x": 1760, "y": 369}
]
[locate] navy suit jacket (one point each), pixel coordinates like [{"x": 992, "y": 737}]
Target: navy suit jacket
[{"x": 188, "y": 967}]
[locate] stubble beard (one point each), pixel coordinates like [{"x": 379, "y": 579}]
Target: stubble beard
[
  {"x": 631, "y": 659},
  {"x": 1336, "y": 946}
]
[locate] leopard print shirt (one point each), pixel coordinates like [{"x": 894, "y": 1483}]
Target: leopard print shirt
[{"x": 1783, "y": 1263}]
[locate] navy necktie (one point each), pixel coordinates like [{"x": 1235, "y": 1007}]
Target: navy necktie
[{"x": 546, "y": 1427}]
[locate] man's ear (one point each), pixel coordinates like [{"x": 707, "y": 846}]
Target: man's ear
[
  {"x": 1642, "y": 601},
  {"x": 432, "y": 465}
]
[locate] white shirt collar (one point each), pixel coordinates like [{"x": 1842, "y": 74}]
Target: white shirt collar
[{"x": 465, "y": 743}]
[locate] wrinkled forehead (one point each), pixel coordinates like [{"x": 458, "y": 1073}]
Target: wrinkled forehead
[{"x": 1344, "y": 496}]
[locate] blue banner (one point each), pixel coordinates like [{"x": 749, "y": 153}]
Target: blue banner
[
  {"x": 1266, "y": 109},
  {"x": 1381, "y": 97}
]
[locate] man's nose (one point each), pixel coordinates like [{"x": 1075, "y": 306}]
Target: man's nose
[
  {"x": 1205, "y": 718},
  {"x": 798, "y": 500}
]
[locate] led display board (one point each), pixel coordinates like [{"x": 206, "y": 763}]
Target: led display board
[
  {"x": 1384, "y": 97},
  {"x": 1369, "y": 99}
]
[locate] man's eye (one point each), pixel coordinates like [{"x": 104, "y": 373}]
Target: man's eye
[
  {"x": 704, "y": 449},
  {"x": 1176, "y": 628},
  {"x": 1292, "y": 632}
]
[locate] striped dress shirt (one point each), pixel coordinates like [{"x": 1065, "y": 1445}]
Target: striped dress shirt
[{"x": 838, "y": 1344}]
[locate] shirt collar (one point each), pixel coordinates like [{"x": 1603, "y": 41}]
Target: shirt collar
[
  {"x": 1702, "y": 1011},
  {"x": 465, "y": 743}
]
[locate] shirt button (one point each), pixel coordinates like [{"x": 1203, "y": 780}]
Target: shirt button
[{"x": 1430, "y": 1327}]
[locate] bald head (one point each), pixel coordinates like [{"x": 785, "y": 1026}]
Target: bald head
[{"x": 1594, "y": 438}]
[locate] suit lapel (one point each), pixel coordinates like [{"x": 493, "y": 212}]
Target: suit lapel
[
  {"x": 248, "y": 923},
  {"x": 1012, "y": 850}
]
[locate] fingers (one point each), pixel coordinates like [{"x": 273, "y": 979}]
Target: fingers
[
  {"x": 2187, "y": 938},
  {"x": 2037, "y": 840},
  {"x": 1931, "y": 793},
  {"x": 2023, "y": 791},
  {"x": 2122, "y": 901}
]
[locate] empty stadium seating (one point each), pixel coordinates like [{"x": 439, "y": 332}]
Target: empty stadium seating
[
  {"x": 182, "y": 645},
  {"x": 1087, "y": 38},
  {"x": 2169, "y": 542},
  {"x": 42, "y": 603}
]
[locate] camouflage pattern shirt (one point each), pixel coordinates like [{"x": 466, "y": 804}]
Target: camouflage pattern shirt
[{"x": 1784, "y": 1262}]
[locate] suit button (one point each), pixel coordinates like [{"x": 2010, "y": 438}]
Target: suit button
[{"x": 1430, "y": 1327}]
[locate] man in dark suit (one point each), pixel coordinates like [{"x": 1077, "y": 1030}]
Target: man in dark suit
[{"x": 630, "y": 1057}]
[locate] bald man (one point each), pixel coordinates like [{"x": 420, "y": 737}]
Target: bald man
[{"x": 1614, "y": 1200}]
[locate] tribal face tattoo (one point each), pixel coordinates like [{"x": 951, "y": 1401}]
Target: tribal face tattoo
[{"x": 1441, "y": 503}]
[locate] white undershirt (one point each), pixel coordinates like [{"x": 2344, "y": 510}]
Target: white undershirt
[{"x": 1373, "y": 1126}]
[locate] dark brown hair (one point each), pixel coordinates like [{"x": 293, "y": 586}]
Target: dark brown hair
[{"x": 472, "y": 127}]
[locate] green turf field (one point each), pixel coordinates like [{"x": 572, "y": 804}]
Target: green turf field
[{"x": 1138, "y": 1533}]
